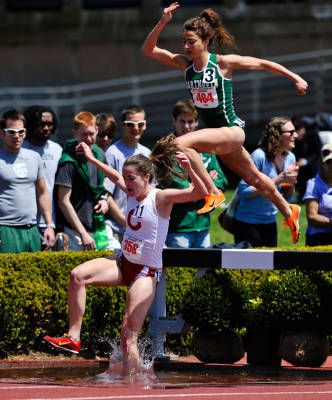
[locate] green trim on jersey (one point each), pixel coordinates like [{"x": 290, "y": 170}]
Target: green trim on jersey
[
  {"x": 212, "y": 95},
  {"x": 184, "y": 217}
]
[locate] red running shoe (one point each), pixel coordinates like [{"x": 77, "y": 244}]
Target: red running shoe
[{"x": 65, "y": 343}]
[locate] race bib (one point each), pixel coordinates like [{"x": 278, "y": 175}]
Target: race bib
[
  {"x": 132, "y": 248},
  {"x": 205, "y": 98}
]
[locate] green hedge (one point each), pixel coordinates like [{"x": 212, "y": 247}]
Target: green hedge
[{"x": 33, "y": 300}]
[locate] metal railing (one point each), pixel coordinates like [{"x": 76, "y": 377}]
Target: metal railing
[{"x": 258, "y": 95}]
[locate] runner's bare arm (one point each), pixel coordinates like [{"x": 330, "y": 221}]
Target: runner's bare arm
[
  {"x": 110, "y": 172},
  {"x": 231, "y": 62},
  {"x": 150, "y": 48}
]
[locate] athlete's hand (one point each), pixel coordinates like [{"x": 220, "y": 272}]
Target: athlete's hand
[
  {"x": 84, "y": 149},
  {"x": 301, "y": 86},
  {"x": 183, "y": 160},
  {"x": 213, "y": 174},
  {"x": 168, "y": 12}
]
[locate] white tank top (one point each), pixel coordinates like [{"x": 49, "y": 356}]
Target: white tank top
[{"x": 145, "y": 233}]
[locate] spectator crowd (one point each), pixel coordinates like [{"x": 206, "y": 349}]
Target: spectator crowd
[{"x": 52, "y": 197}]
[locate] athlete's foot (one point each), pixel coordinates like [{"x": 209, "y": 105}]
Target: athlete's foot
[
  {"x": 293, "y": 222},
  {"x": 212, "y": 201}
]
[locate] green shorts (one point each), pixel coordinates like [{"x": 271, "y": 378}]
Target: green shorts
[{"x": 18, "y": 239}]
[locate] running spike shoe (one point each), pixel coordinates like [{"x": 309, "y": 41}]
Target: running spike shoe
[
  {"x": 212, "y": 201},
  {"x": 292, "y": 222},
  {"x": 65, "y": 343}
]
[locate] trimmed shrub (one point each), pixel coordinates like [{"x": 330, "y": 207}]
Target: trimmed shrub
[
  {"x": 33, "y": 300},
  {"x": 294, "y": 300},
  {"x": 216, "y": 302}
]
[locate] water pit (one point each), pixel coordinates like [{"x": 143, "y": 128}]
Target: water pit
[{"x": 163, "y": 374}]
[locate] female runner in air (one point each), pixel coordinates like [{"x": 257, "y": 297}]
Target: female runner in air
[{"x": 208, "y": 77}]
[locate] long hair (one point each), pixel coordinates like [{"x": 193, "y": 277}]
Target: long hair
[
  {"x": 33, "y": 116},
  {"x": 270, "y": 140},
  {"x": 163, "y": 156},
  {"x": 209, "y": 26}
]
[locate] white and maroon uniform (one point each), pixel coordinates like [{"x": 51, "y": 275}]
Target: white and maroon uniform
[{"x": 145, "y": 235}]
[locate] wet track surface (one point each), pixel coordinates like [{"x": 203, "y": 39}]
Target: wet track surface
[{"x": 164, "y": 375}]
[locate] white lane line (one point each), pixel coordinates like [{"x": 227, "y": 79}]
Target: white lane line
[{"x": 189, "y": 395}]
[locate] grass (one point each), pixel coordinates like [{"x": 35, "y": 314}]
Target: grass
[{"x": 218, "y": 234}]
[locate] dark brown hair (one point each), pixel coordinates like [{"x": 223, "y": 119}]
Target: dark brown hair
[
  {"x": 163, "y": 156},
  {"x": 184, "y": 106},
  {"x": 12, "y": 114},
  {"x": 132, "y": 109},
  {"x": 161, "y": 164},
  {"x": 208, "y": 26},
  {"x": 106, "y": 124},
  {"x": 143, "y": 165}
]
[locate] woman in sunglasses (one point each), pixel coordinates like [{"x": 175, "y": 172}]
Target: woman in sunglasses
[
  {"x": 318, "y": 201},
  {"x": 209, "y": 80},
  {"x": 255, "y": 216}
]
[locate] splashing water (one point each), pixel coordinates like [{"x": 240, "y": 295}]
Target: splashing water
[{"x": 115, "y": 374}]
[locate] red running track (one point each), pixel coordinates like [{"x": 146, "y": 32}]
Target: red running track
[{"x": 313, "y": 391}]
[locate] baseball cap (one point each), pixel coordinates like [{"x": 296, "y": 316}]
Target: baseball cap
[{"x": 326, "y": 152}]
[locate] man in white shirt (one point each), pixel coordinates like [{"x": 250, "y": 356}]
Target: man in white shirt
[{"x": 133, "y": 124}]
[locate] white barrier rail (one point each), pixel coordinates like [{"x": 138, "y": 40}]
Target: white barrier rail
[{"x": 223, "y": 258}]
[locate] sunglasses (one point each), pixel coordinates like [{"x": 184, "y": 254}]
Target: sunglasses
[
  {"x": 132, "y": 124},
  {"x": 291, "y": 132},
  {"x": 13, "y": 132},
  {"x": 105, "y": 134},
  {"x": 46, "y": 123},
  {"x": 326, "y": 152}
]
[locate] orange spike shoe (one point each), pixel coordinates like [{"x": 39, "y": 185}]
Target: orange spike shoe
[
  {"x": 212, "y": 201},
  {"x": 293, "y": 222}
]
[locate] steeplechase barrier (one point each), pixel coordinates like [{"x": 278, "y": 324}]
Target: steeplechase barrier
[{"x": 256, "y": 259}]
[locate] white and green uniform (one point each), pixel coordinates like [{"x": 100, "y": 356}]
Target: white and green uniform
[{"x": 212, "y": 95}]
